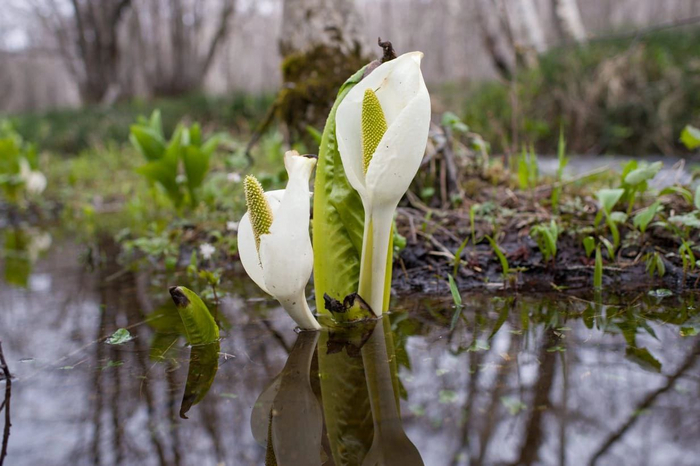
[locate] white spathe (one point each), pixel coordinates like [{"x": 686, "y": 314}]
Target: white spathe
[
  {"x": 34, "y": 180},
  {"x": 283, "y": 264},
  {"x": 404, "y": 98}
]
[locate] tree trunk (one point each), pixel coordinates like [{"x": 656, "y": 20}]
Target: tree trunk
[
  {"x": 567, "y": 17},
  {"x": 309, "y": 23},
  {"x": 527, "y": 24},
  {"x": 495, "y": 38},
  {"x": 321, "y": 46}
]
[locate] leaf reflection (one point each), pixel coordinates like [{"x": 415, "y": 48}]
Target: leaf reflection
[
  {"x": 287, "y": 417},
  {"x": 204, "y": 363}
]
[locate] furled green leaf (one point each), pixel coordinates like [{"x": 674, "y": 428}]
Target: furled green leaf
[
  {"x": 200, "y": 326},
  {"x": 589, "y": 245},
  {"x": 456, "y": 297},
  {"x": 598, "y": 271},
  {"x": 690, "y": 137},
  {"x": 338, "y": 220},
  {"x": 501, "y": 257}
]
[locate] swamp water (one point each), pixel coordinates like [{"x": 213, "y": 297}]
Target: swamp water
[{"x": 545, "y": 379}]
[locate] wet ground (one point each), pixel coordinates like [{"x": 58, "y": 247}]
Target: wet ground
[{"x": 547, "y": 379}]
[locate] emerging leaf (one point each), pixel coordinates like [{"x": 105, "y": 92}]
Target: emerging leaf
[
  {"x": 200, "y": 326},
  {"x": 690, "y": 137}
]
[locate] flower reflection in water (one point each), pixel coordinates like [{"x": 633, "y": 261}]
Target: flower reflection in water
[{"x": 359, "y": 395}]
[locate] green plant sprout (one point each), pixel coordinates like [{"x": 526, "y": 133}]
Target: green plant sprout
[
  {"x": 655, "y": 264},
  {"x": 608, "y": 198},
  {"x": 546, "y": 237},
  {"x": 598, "y": 270},
  {"x": 164, "y": 158},
  {"x": 563, "y": 162},
  {"x": 528, "y": 170},
  {"x": 690, "y": 137}
]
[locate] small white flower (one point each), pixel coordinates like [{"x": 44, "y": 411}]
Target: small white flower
[
  {"x": 34, "y": 181},
  {"x": 232, "y": 226},
  {"x": 274, "y": 242},
  {"x": 234, "y": 177},
  {"x": 206, "y": 250}
]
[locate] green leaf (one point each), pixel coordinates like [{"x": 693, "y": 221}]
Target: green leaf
[
  {"x": 643, "y": 357},
  {"x": 513, "y": 404},
  {"x": 598, "y": 270},
  {"x": 589, "y": 245},
  {"x": 687, "y": 220},
  {"x": 680, "y": 190},
  {"x": 501, "y": 257},
  {"x": 156, "y": 123},
  {"x": 644, "y": 217},
  {"x": 163, "y": 173},
  {"x": 196, "y": 164},
  {"x": 643, "y": 173},
  {"x": 119, "y": 337},
  {"x": 147, "y": 141},
  {"x": 204, "y": 363},
  {"x": 618, "y": 217},
  {"x": 608, "y": 198},
  {"x": 696, "y": 199},
  {"x": 458, "y": 255},
  {"x": 452, "y": 121},
  {"x": 200, "y": 326},
  {"x": 315, "y": 134},
  {"x": 338, "y": 220},
  {"x": 690, "y": 137},
  {"x": 456, "y": 297}
]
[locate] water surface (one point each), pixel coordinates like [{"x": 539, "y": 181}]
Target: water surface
[{"x": 526, "y": 379}]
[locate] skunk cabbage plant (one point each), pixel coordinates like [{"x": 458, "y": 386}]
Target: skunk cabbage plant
[
  {"x": 274, "y": 241},
  {"x": 370, "y": 151},
  {"x": 382, "y": 130}
]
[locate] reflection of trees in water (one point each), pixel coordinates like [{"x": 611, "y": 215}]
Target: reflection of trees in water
[
  {"x": 575, "y": 385},
  {"x": 579, "y": 393}
]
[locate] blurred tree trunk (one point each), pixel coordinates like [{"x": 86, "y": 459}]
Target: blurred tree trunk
[
  {"x": 88, "y": 42},
  {"x": 528, "y": 25},
  {"x": 309, "y": 23},
  {"x": 567, "y": 18},
  {"x": 193, "y": 45},
  {"x": 496, "y": 36},
  {"x": 321, "y": 45}
]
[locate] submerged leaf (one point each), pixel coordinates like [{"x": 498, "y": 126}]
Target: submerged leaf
[{"x": 119, "y": 337}]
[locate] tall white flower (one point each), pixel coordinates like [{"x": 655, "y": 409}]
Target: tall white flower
[
  {"x": 382, "y": 129},
  {"x": 274, "y": 242}
]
